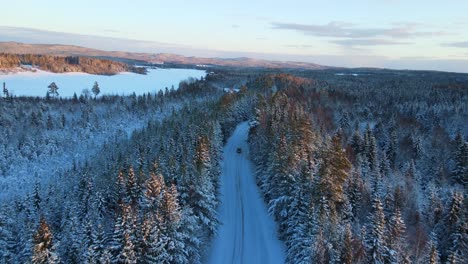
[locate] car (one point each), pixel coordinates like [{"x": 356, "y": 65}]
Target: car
[{"x": 239, "y": 150}]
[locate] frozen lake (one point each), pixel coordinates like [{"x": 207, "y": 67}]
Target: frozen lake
[{"x": 35, "y": 83}]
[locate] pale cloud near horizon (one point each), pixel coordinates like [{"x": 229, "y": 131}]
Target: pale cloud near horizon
[
  {"x": 341, "y": 29},
  {"x": 368, "y": 42},
  {"x": 461, "y": 44},
  {"x": 304, "y": 46}
]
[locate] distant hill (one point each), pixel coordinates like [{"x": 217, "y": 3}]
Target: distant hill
[
  {"x": 70, "y": 50},
  {"x": 60, "y": 64}
]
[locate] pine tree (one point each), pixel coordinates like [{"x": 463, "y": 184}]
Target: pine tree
[
  {"x": 96, "y": 90},
  {"x": 155, "y": 245},
  {"x": 299, "y": 231},
  {"x": 128, "y": 254},
  {"x": 201, "y": 188},
  {"x": 395, "y": 237},
  {"x": 377, "y": 250},
  {"x": 460, "y": 172},
  {"x": 279, "y": 183},
  {"x": 37, "y": 196},
  {"x": 133, "y": 192},
  {"x": 154, "y": 189},
  {"x": 320, "y": 252},
  {"x": 377, "y": 184},
  {"x": 450, "y": 230},
  {"x": 459, "y": 240},
  {"x": 170, "y": 220},
  {"x": 372, "y": 154},
  {"x": 417, "y": 148},
  {"x": 97, "y": 249},
  {"x": 50, "y": 122},
  {"x": 117, "y": 239},
  {"x": 344, "y": 122},
  {"x": 333, "y": 173},
  {"x": 120, "y": 185},
  {"x": 357, "y": 142},
  {"x": 53, "y": 89},
  {"x": 6, "y": 238},
  {"x": 63, "y": 121},
  {"x": 170, "y": 209},
  {"x": 44, "y": 250},
  {"x": 347, "y": 248},
  {"x": 202, "y": 156},
  {"x": 433, "y": 256},
  {"x": 192, "y": 240},
  {"x": 392, "y": 149},
  {"x": 354, "y": 192}
]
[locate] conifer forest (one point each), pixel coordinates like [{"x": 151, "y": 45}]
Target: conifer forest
[{"x": 351, "y": 168}]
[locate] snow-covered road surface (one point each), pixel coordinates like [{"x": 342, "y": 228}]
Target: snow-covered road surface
[{"x": 247, "y": 233}]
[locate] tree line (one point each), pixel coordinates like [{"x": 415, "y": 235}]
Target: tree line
[{"x": 61, "y": 64}]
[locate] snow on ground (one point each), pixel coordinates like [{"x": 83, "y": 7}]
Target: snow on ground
[
  {"x": 35, "y": 83},
  {"x": 247, "y": 233},
  {"x": 69, "y": 145}
]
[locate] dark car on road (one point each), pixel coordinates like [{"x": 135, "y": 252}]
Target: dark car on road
[{"x": 239, "y": 150}]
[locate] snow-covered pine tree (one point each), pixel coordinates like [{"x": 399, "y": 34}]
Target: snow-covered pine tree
[
  {"x": 97, "y": 250},
  {"x": 132, "y": 188},
  {"x": 201, "y": 196},
  {"x": 332, "y": 174},
  {"x": 392, "y": 148},
  {"x": 433, "y": 256},
  {"x": 395, "y": 237},
  {"x": 357, "y": 142},
  {"x": 320, "y": 252},
  {"x": 128, "y": 254},
  {"x": 117, "y": 238},
  {"x": 299, "y": 231},
  {"x": 347, "y": 250},
  {"x": 44, "y": 249},
  {"x": 169, "y": 218},
  {"x": 460, "y": 172},
  {"x": 6, "y": 238},
  {"x": 377, "y": 250},
  {"x": 154, "y": 189},
  {"x": 154, "y": 243}
]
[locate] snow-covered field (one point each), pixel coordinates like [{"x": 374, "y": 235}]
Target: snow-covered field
[
  {"x": 35, "y": 83},
  {"x": 247, "y": 233}
]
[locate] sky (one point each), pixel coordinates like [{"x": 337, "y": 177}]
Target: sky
[{"x": 398, "y": 34}]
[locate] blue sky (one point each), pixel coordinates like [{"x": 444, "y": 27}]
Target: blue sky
[{"x": 412, "y": 34}]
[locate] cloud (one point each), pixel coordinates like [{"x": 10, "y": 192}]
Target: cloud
[
  {"x": 368, "y": 42},
  {"x": 338, "y": 29},
  {"x": 462, "y": 44},
  {"x": 110, "y": 31},
  {"x": 299, "y": 46}
]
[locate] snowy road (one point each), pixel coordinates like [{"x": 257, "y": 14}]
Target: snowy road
[{"x": 247, "y": 233}]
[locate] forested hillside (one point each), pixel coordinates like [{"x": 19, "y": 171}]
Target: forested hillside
[
  {"x": 150, "y": 197},
  {"x": 60, "y": 64},
  {"x": 364, "y": 170},
  {"x": 369, "y": 168}
]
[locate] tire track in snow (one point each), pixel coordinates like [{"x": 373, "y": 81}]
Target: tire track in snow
[{"x": 247, "y": 233}]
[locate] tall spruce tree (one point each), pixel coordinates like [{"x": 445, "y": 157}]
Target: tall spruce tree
[
  {"x": 377, "y": 250},
  {"x": 44, "y": 249},
  {"x": 333, "y": 173}
]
